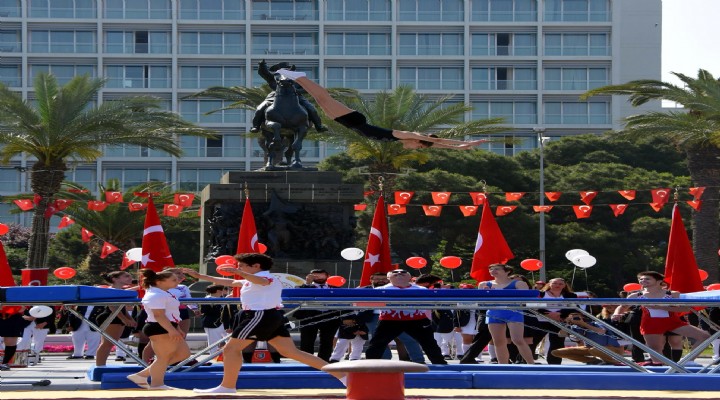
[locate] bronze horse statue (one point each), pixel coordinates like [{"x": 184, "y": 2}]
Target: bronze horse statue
[{"x": 284, "y": 114}]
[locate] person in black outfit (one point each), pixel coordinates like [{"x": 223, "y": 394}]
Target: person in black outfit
[
  {"x": 556, "y": 288},
  {"x": 316, "y": 323}
]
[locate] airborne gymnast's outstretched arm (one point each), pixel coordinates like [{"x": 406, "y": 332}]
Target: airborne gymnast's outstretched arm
[{"x": 356, "y": 121}]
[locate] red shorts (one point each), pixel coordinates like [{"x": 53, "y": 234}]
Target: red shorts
[{"x": 660, "y": 325}]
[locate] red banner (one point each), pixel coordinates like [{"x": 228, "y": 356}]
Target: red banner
[{"x": 34, "y": 276}]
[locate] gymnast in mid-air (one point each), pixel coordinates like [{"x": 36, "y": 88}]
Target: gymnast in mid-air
[{"x": 356, "y": 121}]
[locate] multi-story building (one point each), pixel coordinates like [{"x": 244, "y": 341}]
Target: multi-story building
[{"x": 524, "y": 60}]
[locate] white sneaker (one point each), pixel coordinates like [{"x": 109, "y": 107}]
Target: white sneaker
[
  {"x": 162, "y": 387},
  {"x": 217, "y": 389},
  {"x": 139, "y": 380}
]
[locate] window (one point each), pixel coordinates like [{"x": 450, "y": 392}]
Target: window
[
  {"x": 62, "y": 8},
  {"x": 212, "y": 43},
  {"x": 212, "y": 9},
  {"x": 576, "y": 78},
  {"x": 358, "y": 10},
  {"x": 202, "y": 77},
  {"x": 137, "y": 76},
  {"x": 62, "y": 42},
  {"x": 195, "y": 111},
  {"x": 430, "y": 44},
  {"x": 514, "y": 112},
  {"x": 577, "y": 113},
  {"x": 9, "y": 8},
  {"x": 137, "y": 9},
  {"x": 10, "y": 180},
  {"x": 284, "y": 43},
  {"x": 228, "y": 145},
  {"x": 503, "y": 78},
  {"x": 82, "y": 176},
  {"x": 137, "y": 42},
  {"x": 432, "y": 78},
  {"x": 10, "y": 41},
  {"x": 284, "y": 9},
  {"x": 577, "y": 10},
  {"x": 10, "y": 75},
  {"x": 133, "y": 177},
  {"x": 358, "y": 43},
  {"x": 577, "y": 44},
  {"x": 504, "y": 10},
  {"x": 6, "y": 212},
  {"x": 359, "y": 77},
  {"x": 504, "y": 44},
  {"x": 63, "y": 73},
  {"x": 195, "y": 180},
  {"x": 431, "y": 10},
  {"x": 129, "y": 150}
]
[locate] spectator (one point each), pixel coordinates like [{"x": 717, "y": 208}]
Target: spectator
[
  {"x": 393, "y": 322},
  {"x": 81, "y": 333},
  {"x": 353, "y": 332},
  {"x": 586, "y": 353},
  {"x": 555, "y": 289},
  {"x": 316, "y": 323},
  {"x": 212, "y": 316}
]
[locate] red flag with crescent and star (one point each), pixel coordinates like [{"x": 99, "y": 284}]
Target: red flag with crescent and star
[
  {"x": 490, "y": 247},
  {"x": 681, "y": 268},
  {"x": 248, "y": 238},
  {"x": 377, "y": 252},
  {"x": 155, "y": 251}
]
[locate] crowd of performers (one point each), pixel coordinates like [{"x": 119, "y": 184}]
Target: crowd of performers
[{"x": 161, "y": 324}]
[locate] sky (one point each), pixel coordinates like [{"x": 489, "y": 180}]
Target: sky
[{"x": 691, "y": 29}]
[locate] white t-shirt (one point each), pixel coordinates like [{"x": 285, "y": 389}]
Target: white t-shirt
[
  {"x": 158, "y": 299},
  {"x": 403, "y": 315},
  {"x": 259, "y": 297},
  {"x": 183, "y": 292}
]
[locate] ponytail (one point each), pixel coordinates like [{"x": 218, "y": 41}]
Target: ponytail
[{"x": 152, "y": 277}]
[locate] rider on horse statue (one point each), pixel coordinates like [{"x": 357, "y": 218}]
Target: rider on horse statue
[{"x": 268, "y": 74}]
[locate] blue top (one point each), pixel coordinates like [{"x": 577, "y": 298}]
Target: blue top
[{"x": 599, "y": 338}]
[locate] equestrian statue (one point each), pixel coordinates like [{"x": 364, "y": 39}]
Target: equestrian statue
[{"x": 283, "y": 118}]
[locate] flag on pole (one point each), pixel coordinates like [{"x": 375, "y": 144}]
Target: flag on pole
[
  {"x": 377, "y": 253},
  {"x": 6, "y": 278},
  {"x": 248, "y": 238},
  {"x": 681, "y": 268},
  {"x": 107, "y": 249},
  {"x": 490, "y": 247},
  {"x": 155, "y": 252}
]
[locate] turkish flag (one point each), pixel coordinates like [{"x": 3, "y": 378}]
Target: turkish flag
[
  {"x": 24, "y": 204},
  {"x": 403, "y": 197},
  {"x": 432, "y": 211},
  {"x": 248, "y": 238},
  {"x": 172, "y": 210},
  {"x": 542, "y": 208},
  {"x": 49, "y": 211},
  {"x": 136, "y": 206},
  {"x": 377, "y": 253},
  {"x": 628, "y": 194},
  {"x": 468, "y": 211},
  {"x": 618, "y": 209},
  {"x": 514, "y": 196},
  {"x": 657, "y": 206},
  {"x": 184, "y": 199},
  {"x": 553, "y": 196},
  {"x": 587, "y": 197},
  {"x": 681, "y": 269},
  {"x": 697, "y": 192},
  {"x": 61, "y": 204},
  {"x": 65, "y": 222},
  {"x": 490, "y": 247},
  {"x": 395, "y": 209},
  {"x": 36, "y": 199},
  {"x": 107, "y": 249},
  {"x": 97, "y": 205},
  {"x": 660, "y": 196},
  {"x": 582, "y": 211},
  {"x": 478, "y": 198},
  {"x": 6, "y": 278},
  {"x": 113, "y": 197},
  {"x": 360, "y": 207},
  {"x": 441, "y": 197},
  {"x": 126, "y": 262},
  {"x": 86, "y": 235},
  {"x": 155, "y": 252},
  {"x": 695, "y": 204},
  {"x": 502, "y": 211}
]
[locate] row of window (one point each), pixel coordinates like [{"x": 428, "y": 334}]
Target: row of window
[
  {"x": 335, "y": 10},
  {"x": 421, "y": 78},
  {"x": 281, "y": 43}
]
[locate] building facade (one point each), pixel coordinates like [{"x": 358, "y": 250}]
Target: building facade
[{"x": 524, "y": 60}]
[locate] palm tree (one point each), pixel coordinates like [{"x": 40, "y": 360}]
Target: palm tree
[
  {"x": 696, "y": 131},
  {"x": 62, "y": 123}
]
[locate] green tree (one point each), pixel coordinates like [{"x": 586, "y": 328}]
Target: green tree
[
  {"x": 694, "y": 130},
  {"x": 63, "y": 123}
]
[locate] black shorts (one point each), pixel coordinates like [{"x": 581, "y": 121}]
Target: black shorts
[
  {"x": 154, "y": 328},
  {"x": 184, "y": 314},
  {"x": 12, "y": 325},
  {"x": 261, "y": 325}
]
